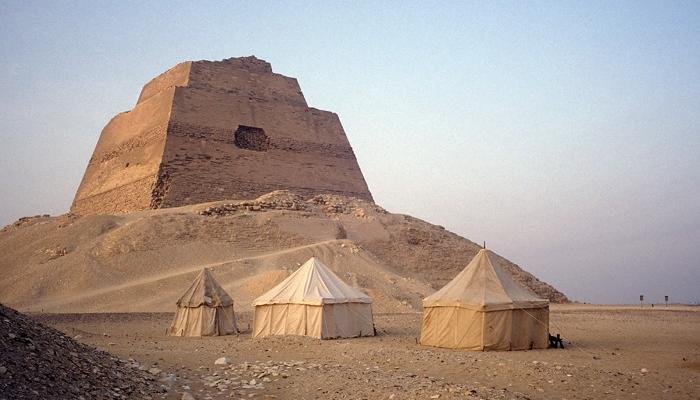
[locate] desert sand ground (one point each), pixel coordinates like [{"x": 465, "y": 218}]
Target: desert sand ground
[{"x": 615, "y": 352}]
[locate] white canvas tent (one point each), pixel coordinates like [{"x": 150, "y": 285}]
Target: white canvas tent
[
  {"x": 313, "y": 302},
  {"x": 204, "y": 310},
  {"x": 483, "y": 308}
]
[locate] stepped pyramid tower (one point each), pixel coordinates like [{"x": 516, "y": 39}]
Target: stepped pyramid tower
[{"x": 205, "y": 131}]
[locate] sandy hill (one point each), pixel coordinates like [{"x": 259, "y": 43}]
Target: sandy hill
[{"x": 143, "y": 261}]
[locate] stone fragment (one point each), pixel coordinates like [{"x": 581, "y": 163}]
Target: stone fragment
[
  {"x": 186, "y": 396},
  {"x": 222, "y": 361}
]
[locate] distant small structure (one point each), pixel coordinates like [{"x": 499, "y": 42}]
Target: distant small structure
[{"x": 641, "y": 301}]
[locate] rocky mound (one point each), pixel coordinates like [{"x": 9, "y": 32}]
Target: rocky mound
[
  {"x": 38, "y": 362},
  {"x": 413, "y": 245},
  {"x": 143, "y": 261},
  {"x": 277, "y": 200}
]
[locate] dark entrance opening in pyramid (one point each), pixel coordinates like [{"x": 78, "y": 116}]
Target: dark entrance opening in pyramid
[{"x": 251, "y": 138}]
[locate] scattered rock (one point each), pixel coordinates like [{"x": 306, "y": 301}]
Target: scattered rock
[
  {"x": 222, "y": 361},
  {"x": 169, "y": 379},
  {"x": 186, "y": 396},
  {"x": 277, "y": 200},
  {"x": 56, "y": 252},
  {"x": 65, "y": 368}
]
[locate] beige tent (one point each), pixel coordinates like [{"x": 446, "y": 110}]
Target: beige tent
[
  {"x": 204, "y": 310},
  {"x": 483, "y": 308},
  {"x": 314, "y": 302}
]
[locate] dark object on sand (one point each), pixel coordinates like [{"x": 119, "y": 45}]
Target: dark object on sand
[{"x": 556, "y": 341}]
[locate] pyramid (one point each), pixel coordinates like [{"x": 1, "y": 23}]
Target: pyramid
[{"x": 205, "y": 131}]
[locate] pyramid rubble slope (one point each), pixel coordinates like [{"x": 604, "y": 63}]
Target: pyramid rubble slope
[{"x": 117, "y": 262}]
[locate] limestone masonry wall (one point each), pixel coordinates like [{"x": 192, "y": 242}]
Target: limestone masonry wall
[
  {"x": 176, "y": 76},
  {"x": 132, "y": 196},
  {"x": 123, "y": 168},
  {"x": 205, "y": 131},
  {"x": 254, "y": 81}
]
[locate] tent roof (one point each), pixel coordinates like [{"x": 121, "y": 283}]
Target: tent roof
[
  {"x": 313, "y": 283},
  {"x": 484, "y": 285},
  {"x": 205, "y": 290}
]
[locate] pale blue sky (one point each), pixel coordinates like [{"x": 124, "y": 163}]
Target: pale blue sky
[{"x": 565, "y": 134}]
